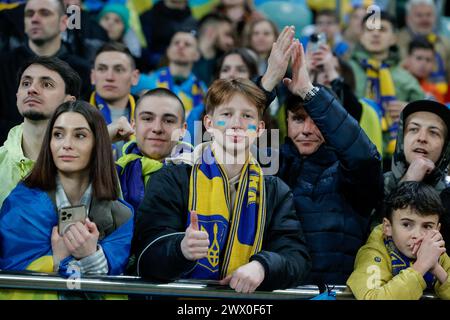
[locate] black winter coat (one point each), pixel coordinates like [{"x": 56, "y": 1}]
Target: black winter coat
[
  {"x": 162, "y": 220},
  {"x": 335, "y": 189}
]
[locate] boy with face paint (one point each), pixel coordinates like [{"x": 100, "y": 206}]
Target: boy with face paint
[
  {"x": 422, "y": 151},
  {"x": 406, "y": 254},
  {"x": 334, "y": 172},
  {"x": 220, "y": 217}
]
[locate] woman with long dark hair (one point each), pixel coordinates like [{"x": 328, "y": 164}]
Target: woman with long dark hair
[{"x": 74, "y": 171}]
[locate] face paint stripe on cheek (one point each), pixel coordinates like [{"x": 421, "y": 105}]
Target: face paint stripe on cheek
[
  {"x": 220, "y": 123},
  {"x": 251, "y": 127}
]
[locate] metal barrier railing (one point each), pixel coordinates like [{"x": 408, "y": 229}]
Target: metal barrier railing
[{"x": 136, "y": 286}]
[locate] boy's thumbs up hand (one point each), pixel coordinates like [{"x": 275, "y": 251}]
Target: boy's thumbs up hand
[{"x": 195, "y": 243}]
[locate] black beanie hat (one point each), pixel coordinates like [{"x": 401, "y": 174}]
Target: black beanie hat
[{"x": 439, "y": 109}]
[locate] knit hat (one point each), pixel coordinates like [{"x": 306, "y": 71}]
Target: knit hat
[
  {"x": 439, "y": 109},
  {"x": 120, "y": 10}
]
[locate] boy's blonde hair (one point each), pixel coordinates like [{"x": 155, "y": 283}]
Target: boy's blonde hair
[{"x": 222, "y": 90}]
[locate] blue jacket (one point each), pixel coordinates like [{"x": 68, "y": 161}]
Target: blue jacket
[{"x": 335, "y": 189}]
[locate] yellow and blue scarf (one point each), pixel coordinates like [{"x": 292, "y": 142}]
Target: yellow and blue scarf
[
  {"x": 400, "y": 262},
  {"x": 191, "y": 92},
  {"x": 102, "y": 105},
  {"x": 135, "y": 169},
  {"x": 380, "y": 88},
  {"x": 235, "y": 231},
  {"x": 438, "y": 76}
]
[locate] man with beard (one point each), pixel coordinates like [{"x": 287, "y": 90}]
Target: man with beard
[
  {"x": 219, "y": 217},
  {"x": 44, "y": 22},
  {"x": 44, "y": 84}
]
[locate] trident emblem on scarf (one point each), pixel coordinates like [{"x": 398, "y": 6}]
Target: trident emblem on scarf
[{"x": 213, "y": 252}]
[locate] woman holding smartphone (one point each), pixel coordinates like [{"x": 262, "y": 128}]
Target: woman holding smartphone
[{"x": 75, "y": 167}]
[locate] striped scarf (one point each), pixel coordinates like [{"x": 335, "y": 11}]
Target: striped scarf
[
  {"x": 101, "y": 104},
  {"x": 400, "y": 262},
  {"x": 61, "y": 198},
  {"x": 235, "y": 231},
  {"x": 438, "y": 76},
  {"x": 380, "y": 88}
]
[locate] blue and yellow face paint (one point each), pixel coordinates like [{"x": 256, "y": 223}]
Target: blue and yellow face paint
[{"x": 222, "y": 123}]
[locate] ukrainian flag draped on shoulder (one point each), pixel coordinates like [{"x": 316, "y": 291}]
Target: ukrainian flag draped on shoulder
[
  {"x": 25, "y": 239},
  {"x": 235, "y": 231},
  {"x": 27, "y": 218}
]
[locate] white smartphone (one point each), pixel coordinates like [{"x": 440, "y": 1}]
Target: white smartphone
[{"x": 68, "y": 216}]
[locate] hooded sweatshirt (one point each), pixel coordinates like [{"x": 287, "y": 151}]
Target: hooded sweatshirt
[{"x": 436, "y": 179}]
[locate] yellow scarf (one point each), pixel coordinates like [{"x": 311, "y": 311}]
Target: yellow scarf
[
  {"x": 380, "y": 88},
  {"x": 438, "y": 75}
]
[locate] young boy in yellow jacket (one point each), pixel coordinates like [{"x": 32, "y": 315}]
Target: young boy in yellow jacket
[{"x": 406, "y": 254}]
